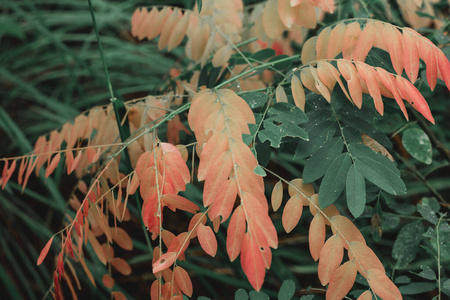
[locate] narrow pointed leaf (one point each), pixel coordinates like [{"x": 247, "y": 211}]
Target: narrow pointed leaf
[{"x": 44, "y": 251}]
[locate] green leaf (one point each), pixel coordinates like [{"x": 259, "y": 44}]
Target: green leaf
[
  {"x": 333, "y": 182},
  {"x": 281, "y": 112},
  {"x": 318, "y": 135},
  {"x": 199, "y": 4},
  {"x": 255, "y": 99},
  {"x": 263, "y": 54},
  {"x": 426, "y": 273},
  {"x": 446, "y": 287},
  {"x": 282, "y": 121},
  {"x": 418, "y": 144},
  {"x": 307, "y": 297},
  {"x": 402, "y": 279},
  {"x": 351, "y": 135},
  {"x": 318, "y": 163},
  {"x": 356, "y": 191},
  {"x": 417, "y": 288},
  {"x": 287, "y": 290},
  {"x": 241, "y": 294},
  {"x": 389, "y": 124},
  {"x": 260, "y": 171},
  {"x": 254, "y": 295},
  {"x": 378, "y": 169},
  {"x": 407, "y": 243},
  {"x": 426, "y": 210}
]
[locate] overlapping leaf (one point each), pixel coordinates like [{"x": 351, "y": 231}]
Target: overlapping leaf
[{"x": 218, "y": 119}]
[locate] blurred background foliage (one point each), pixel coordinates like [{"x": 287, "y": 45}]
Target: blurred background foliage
[{"x": 50, "y": 71}]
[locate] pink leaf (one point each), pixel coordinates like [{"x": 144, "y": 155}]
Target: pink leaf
[{"x": 207, "y": 239}]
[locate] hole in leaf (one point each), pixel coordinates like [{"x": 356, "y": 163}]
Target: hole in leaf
[{"x": 162, "y": 261}]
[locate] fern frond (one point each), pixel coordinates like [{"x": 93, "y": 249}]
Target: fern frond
[{"x": 405, "y": 47}]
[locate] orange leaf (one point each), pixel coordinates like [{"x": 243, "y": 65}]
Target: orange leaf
[
  {"x": 118, "y": 296},
  {"x": 390, "y": 83},
  {"x": 252, "y": 262},
  {"x": 154, "y": 290},
  {"x": 288, "y": 13},
  {"x": 351, "y": 38},
  {"x": 307, "y": 16},
  {"x": 350, "y": 74},
  {"x": 346, "y": 229},
  {"x": 258, "y": 215},
  {"x": 410, "y": 55},
  {"x": 164, "y": 261},
  {"x": 365, "y": 258},
  {"x": 272, "y": 23},
  {"x": 370, "y": 77},
  {"x": 168, "y": 28},
  {"x": 200, "y": 217},
  {"x": 216, "y": 177},
  {"x": 7, "y": 172},
  {"x": 320, "y": 86},
  {"x": 336, "y": 40},
  {"x": 309, "y": 51},
  {"x": 183, "y": 281},
  {"x": 180, "y": 243},
  {"x": 322, "y": 43},
  {"x": 277, "y": 195},
  {"x": 308, "y": 80},
  {"x": 367, "y": 295},
  {"x": 217, "y": 145},
  {"x": 411, "y": 94},
  {"x": 207, "y": 239},
  {"x": 431, "y": 72},
  {"x": 365, "y": 42},
  {"x": 292, "y": 213},
  {"x": 177, "y": 202},
  {"x": 382, "y": 285},
  {"x": 222, "y": 56},
  {"x": 23, "y": 165},
  {"x": 224, "y": 202},
  {"x": 121, "y": 265},
  {"x": 75, "y": 163},
  {"x": 395, "y": 47},
  {"x": 327, "y": 77},
  {"x": 178, "y": 32},
  {"x": 316, "y": 235},
  {"x": 121, "y": 238},
  {"x": 330, "y": 258},
  {"x": 97, "y": 247},
  {"x": 297, "y": 186},
  {"x": 342, "y": 281},
  {"x": 44, "y": 251},
  {"x": 108, "y": 281},
  {"x": 444, "y": 67},
  {"x": 235, "y": 233},
  {"x": 298, "y": 93}
]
